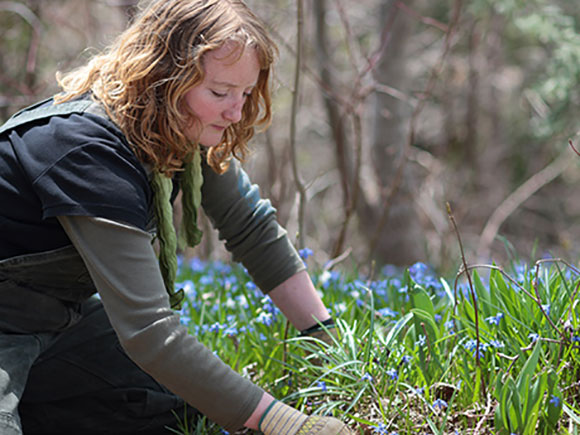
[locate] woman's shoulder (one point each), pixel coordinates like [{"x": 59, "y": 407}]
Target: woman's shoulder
[{"x": 64, "y": 135}]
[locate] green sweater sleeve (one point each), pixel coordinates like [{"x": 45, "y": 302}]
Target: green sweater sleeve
[
  {"x": 123, "y": 267},
  {"x": 249, "y": 227}
]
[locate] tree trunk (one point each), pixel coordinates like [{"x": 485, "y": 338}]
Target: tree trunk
[{"x": 400, "y": 242}]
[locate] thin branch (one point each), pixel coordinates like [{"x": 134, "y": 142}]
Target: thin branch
[
  {"x": 471, "y": 291},
  {"x": 299, "y": 184},
  {"x": 333, "y": 262},
  {"x": 425, "y": 20},
  {"x": 349, "y": 39},
  {"x": 573, "y": 148},
  {"x": 516, "y": 198},
  {"x": 353, "y": 199}
]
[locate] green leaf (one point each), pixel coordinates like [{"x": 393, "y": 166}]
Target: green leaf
[
  {"x": 505, "y": 403},
  {"x": 425, "y": 322},
  {"x": 516, "y": 410},
  {"x": 371, "y": 328},
  {"x": 529, "y": 368},
  {"x": 448, "y": 291},
  {"x": 420, "y": 299},
  {"x": 554, "y": 412},
  {"x": 396, "y": 330},
  {"x": 483, "y": 300},
  {"x": 533, "y": 404},
  {"x": 498, "y": 420}
]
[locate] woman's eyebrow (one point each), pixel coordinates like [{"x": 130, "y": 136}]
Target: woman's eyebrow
[{"x": 229, "y": 84}]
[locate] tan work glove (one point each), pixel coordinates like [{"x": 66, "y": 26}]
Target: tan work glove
[{"x": 281, "y": 419}]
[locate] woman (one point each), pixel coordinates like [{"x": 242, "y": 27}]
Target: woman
[{"x": 86, "y": 179}]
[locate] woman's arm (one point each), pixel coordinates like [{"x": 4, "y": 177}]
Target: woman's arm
[
  {"x": 299, "y": 302},
  {"x": 125, "y": 271},
  {"x": 248, "y": 225}
]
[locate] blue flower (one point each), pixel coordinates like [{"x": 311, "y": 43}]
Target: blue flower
[
  {"x": 387, "y": 312},
  {"x": 196, "y": 265},
  {"x": 393, "y": 374},
  {"x": 206, "y": 280},
  {"x": 494, "y": 320},
  {"x": 472, "y": 344},
  {"x": 440, "y": 404},
  {"x": 322, "y": 385},
  {"x": 339, "y": 308},
  {"x": 327, "y": 278},
  {"x": 546, "y": 308},
  {"x": 497, "y": 344},
  {"x": 265, "y": 318},
  {"x": 230, "y": 331},
  {"x": 421, "y": 340},
  {"x": 305, "y": 253},
  {"x": 418, "y": 269},
  {"x": 555, "y": 400},
  {"x": 366, "y": 377},
  {"x": 423, "y": 275},
  {"x": 381, "y": 428},
  {"x": 215, "y": 327},
  {"x": 188, "y": 287},
  {"x": 390, "y": 270},
  {"x": 406, "y": 359}
]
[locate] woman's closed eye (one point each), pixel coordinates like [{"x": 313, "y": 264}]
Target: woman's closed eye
[{"x": 219, "y": 94}]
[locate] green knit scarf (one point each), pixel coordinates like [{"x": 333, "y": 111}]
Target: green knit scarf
[{"x": 191, "y": 182}]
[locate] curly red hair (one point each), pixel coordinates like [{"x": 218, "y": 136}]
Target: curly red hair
[{"x": 142, "y": 77}]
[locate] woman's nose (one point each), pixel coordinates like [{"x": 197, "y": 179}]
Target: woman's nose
[{"x": 234, "y": 113}]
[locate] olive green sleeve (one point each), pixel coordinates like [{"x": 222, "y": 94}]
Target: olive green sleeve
[
  {"x": 125, "y": 271},
  {"x": 249, "y": 227}
]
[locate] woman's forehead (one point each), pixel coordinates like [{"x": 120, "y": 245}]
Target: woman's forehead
[{"x": 232, "y": 66}]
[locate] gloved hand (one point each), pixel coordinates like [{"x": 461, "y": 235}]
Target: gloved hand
[
  {"x": 324, "y": 335},
  {"x": 281, "y": 419},
  {"x": 328, "y": 335}
]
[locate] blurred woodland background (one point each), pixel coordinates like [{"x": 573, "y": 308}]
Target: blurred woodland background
[{"x": 400, "y": 108}]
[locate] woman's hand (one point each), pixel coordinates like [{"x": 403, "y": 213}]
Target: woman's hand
[{"x": 280, "y": 418}]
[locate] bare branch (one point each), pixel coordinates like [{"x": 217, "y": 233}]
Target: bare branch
[
  {"x": 573, "y": 148},
  {"x": 515, "y": 199},
  {"x": 471, "y": 291},
  {"x": 299, "y": 184}
]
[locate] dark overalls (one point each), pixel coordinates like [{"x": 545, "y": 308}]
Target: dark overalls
[{"x": 62, "y": 370}]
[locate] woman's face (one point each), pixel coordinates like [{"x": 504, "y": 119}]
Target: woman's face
[{"x": 218, "y": 100}]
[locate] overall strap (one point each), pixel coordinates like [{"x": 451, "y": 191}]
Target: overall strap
[{"x": 41, "y": 110}]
